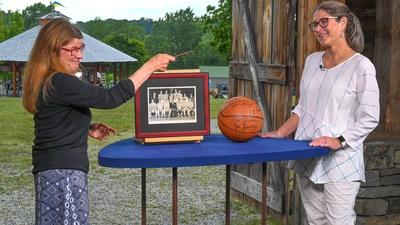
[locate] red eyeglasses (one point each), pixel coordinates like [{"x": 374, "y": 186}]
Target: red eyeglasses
[{"x": 74, "y": 50}]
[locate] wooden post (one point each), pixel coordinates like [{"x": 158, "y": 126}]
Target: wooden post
[
  {"x": 14, "y": 71},
  {"x": 175, "y": 196},
  {"x": 292, "y": 83},
  {"x": 94, "y": 81},
  {"x": 100, "y": 70},
  {"x": 387, "y": 56},
  {"x": 228, "y": 195},
  {"x": 264, "y": 194},
  {"x": 144, "y": 218},
  {"x": 114, "y": 65},
  {"x": 127, "y": 69},
  {"x": 120, "y": 71}
]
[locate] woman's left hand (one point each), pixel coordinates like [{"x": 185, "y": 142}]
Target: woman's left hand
[
  {"x": 101, "y": 131},
  {"x": 325, "y": 141}
]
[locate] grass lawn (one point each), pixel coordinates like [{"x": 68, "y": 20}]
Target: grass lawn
[{"x": 16, "y": 137}]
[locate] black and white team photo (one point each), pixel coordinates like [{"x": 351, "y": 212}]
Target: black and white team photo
[{"x": 171, "y": 105}]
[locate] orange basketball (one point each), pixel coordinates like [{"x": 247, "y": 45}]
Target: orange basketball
[{"x": 240, "y": 119}]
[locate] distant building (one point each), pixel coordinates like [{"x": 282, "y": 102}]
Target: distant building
[
  {"x": 218, "y": 75},
  {"x": 218, "y": 78}
]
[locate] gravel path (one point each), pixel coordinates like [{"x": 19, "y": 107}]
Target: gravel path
[{"x": 115, "y": 196}]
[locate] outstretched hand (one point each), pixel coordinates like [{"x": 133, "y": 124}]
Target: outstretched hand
[
  {"x": 270, "y": 134},
  {"x": 160, "y": 62},
  {"x": 101, "y": 131}
]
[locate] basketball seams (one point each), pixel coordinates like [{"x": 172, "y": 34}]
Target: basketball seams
[{"x": 236, "y": 131}]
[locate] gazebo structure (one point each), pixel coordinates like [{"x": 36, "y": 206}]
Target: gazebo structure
[{"x": 99, "y": 57}]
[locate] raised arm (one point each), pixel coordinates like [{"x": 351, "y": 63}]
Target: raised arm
[{"x": 156, "y": 63}]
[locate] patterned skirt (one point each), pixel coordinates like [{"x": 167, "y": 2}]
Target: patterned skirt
[{"x": 61, "y": 197}]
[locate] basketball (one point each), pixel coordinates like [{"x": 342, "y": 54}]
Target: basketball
[{"x": 240, "y": 119}]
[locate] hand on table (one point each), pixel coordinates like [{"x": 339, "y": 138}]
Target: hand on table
[
  {"x": 270, "y": 134},
  {"x": 325, "y": 141}
]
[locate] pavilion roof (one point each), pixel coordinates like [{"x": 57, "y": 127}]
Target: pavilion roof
[{"x": 18, "y": 49}]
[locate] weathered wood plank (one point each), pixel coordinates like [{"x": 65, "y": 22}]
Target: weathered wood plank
[
  {"x": 267, "y": 72},
  {"x": 266, "y": 31},
  {"x": 280, "y": 32},
  {"x": 383, "y": 61},
  {"x": 252, "y": 188},
  {"x": 249, "y": 92},
  {"x": 258, "y": 26},
  {"x": 306, "y": 41},
  {"x": 235, "y": 30}
]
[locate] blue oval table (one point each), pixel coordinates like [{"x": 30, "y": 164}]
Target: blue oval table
[{"x": 213, "y": 150}]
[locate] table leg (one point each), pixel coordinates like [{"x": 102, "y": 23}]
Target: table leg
[
  {"x": 264, "y": 182},
  {"x": 175, "y": 196},
  {"x": 143, "y": 196},
  {"x": 228, "y": 195}
]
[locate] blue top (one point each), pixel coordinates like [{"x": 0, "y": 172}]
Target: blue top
[{"x": 215, "y": 149}]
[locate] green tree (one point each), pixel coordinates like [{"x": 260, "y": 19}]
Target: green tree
[
  {"x": 218, "y": 21},
  {"x": 14, "y": 23},
  {"x": 130, "y": 46},
  {"x": 175, "y": 33},
  {"x": 99, "y": 28},
  {"x": 3, "y": 30},
  {"x": 94, "y": 28},
  {"x": 206, "y": 54},
  {"x": 11, "y": 24},
  {"x": 33, "y": 12},
  {"x": 147, "y": 24}
]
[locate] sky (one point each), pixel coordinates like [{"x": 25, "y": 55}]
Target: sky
[{"x": 85, "y": 10}]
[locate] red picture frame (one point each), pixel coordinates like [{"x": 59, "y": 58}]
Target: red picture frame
[{"x": 173, "y": 105}]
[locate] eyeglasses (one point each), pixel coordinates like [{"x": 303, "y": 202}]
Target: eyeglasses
[
  {"x": 323, "y": 22},
  {"x": 74, "y": 50}
]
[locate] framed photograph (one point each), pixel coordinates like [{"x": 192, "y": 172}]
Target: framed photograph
[{"x": 172, "y": 105}]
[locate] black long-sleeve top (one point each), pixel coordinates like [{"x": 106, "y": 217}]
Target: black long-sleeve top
[{"x": 63, "y": 119}]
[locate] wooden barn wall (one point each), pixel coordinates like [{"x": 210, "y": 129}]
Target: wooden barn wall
[
  {"x": 269, "y": 20},
  {"x": 366, "y": 13},
  {"x": 271, "y": 49},
  {"x": 387, "y": 63}
]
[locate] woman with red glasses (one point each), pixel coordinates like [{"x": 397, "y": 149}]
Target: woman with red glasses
[
  {"x": 60, "y": 104},
  {"x": 337, "y": 109}
]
